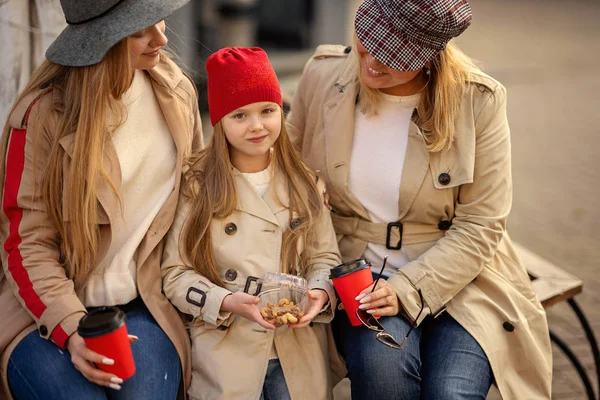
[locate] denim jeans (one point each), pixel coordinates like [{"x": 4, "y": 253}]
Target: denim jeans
[
  {"x": 440, "y": 360},
  {"x": 38, "y": 369},
  {"x": 274, "y": 387}
]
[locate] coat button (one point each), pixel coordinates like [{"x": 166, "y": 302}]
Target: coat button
[
  {"x": 43, "y": 330},
  {"x": 444, "y": 179},
  {"x": 444, "y": 225},
  {"x": 347, "y": 50},
  {"x": 231, "y": 274},
  {"x": 230, "y": 228},
  {"x": 295, "y": 222},
  {"x": 508, "y": 326},
  {"x": 189, "y": 318}
]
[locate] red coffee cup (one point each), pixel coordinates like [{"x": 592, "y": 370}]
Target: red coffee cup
[
  {"x": 349, "y": 279},
  {"x": 103, "y": 330}
]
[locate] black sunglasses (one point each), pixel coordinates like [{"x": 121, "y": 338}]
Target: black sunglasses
[{"x": 373, "y": 324}]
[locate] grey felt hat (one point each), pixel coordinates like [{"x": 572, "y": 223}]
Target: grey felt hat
[{"x": 94, "y": 26}]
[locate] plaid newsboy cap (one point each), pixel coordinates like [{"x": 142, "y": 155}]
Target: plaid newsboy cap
[{"x": 406, "y": 34}]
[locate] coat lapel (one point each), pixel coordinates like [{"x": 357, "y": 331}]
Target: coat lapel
[
  {"x": 165, "y": 77},
  {"x": 106, "y": 195},
  {"x": 416, "y": 164},
  {"x": 338, "y": 122},
  {"x": 251, "y": 203}
]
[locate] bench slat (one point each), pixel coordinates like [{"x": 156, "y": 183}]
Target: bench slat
[{"x": 551, "y": 283}]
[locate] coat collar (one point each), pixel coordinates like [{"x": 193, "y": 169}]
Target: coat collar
[
  {"x": 166, "y": 73},
  {"x": 338, "y": 119}
]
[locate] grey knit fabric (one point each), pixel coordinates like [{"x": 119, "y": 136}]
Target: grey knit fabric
[{"x": 85, "y": 43}]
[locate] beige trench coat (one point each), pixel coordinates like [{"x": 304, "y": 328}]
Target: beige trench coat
[
  {"x": 470, "y": 270},
  {"x": 52, "y": 306},
  {"x": 230, "y": 354}
]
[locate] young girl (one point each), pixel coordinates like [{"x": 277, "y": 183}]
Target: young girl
[
  {"x": 250, "y": 206},
  {"x": 93, "y": 154}
]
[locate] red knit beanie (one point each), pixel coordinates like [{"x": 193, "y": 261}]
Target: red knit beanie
[{"x": 238, "y": 76}]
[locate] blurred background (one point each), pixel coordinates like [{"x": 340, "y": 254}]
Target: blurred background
[{"x": 544, "y": 51}]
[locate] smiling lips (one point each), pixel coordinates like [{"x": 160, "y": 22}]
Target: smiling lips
[
  {"x": 258, "y": 139},
  {"x": 374, "y": 72},
  {"x": 153, "y": 54}
]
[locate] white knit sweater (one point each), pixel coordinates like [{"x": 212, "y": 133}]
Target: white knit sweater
[{"x": 147, "y": 157}]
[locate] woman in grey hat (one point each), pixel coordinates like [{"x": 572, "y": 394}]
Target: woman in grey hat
[
  {"x": 413, "y": 142},
  {"x": 93, "y": 153}
]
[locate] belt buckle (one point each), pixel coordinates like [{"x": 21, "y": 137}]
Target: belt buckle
[
  {"x": 388, "y": 235},
  {"x": 249, "y": 281}
]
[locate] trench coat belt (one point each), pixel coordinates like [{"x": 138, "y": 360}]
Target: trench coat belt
[{"x": 412, "y": 233}]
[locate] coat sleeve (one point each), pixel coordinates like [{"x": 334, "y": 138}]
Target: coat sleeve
[
  {"x": 323, "y": 254},
  {"x": 189, "y": 291},
  {"x": 31, "y": 252},
  {"x": 478, "y": 225}
]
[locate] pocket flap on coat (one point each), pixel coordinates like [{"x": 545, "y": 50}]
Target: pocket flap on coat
[{"x": 454, "y": 167}]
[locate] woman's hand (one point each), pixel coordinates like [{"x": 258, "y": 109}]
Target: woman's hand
[
  {"x": 245, "y": 306},
  {"x": 318, "y": 298},
  {"x": 383, "y": 301},
  {"x": 82, "y": 358}
]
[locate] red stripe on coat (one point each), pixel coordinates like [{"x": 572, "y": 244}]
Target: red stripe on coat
[
  {"x": 15, "y": 164},
  {"x": 16, "y": 160}
]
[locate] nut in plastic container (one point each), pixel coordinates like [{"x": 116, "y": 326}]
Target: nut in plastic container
[{"x": 283, "y": 298}]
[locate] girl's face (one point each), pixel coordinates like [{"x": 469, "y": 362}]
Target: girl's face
[
  {"x": 388, "y": 80},
  {"x": 145, "y": 46},
  {"x": 251, "y": 131}
]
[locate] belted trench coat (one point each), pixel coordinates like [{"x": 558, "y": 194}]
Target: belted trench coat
[
  {"x": 230, "y": 354},
  {"x": 35, "y": 293},
  {"x": 453, "y": 206}
]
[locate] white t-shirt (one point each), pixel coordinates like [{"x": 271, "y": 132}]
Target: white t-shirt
[{"x": 375, "y": 170}]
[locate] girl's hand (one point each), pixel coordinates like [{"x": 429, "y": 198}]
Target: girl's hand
[
  {"x": 383, "y": 301},
  {"x": 318, "y": 298},
  {"x": 245, "y": 306},
  {"x": 82, "y": 358}
]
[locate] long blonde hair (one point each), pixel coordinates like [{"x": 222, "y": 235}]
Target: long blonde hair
[
  {"x": 439, "y": 103},
  {"x": 89, "y": 95},
  {"x": 210, "y": 183}
]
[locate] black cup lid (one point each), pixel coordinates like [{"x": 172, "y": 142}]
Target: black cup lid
[
  {"x": 100, "y": 321},
  {"x": 349, "y": 267}
]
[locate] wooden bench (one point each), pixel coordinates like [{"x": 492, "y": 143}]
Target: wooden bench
[
  {"x": 551, "y": 284},
  {"x": 554, "y": 285}
]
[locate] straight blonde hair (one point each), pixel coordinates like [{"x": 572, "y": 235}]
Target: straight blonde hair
[
  {"x": 440, "y": 100},
  {"x": 210, "y": 183},
  {"x": 89, "y": 95}
]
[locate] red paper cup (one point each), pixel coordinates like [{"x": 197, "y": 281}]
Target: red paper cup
[
  {"x": 349, "y": 279},
  {"x": 104, "y": 332}
]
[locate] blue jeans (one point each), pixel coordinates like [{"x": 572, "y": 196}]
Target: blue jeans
[
  {"x": 38, "y": 369},
  {"x": 274, "y": 387},
  {"x": 440, "y": 360}
]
